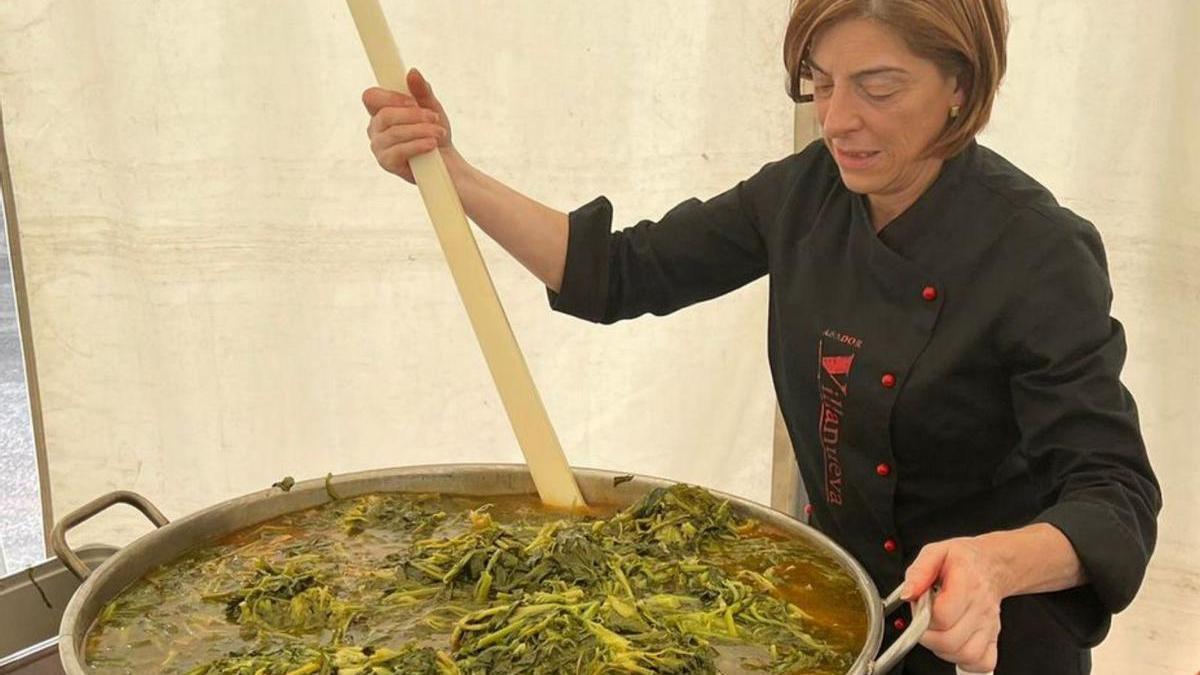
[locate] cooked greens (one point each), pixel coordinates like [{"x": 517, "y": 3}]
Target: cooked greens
[
  {"x": 297, "y": 660},
  {"x": 678, "y": 582}
]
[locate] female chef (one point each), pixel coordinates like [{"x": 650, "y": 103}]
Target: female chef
[{"x": 939, "y": 333}]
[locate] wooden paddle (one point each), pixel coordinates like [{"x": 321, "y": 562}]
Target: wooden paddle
[{"x": 547, "y": 463}]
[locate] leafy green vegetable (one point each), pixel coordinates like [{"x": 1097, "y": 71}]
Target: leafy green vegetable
[
  {"x": 642, "y": 570},
  {"x": 417, "y": 515},
  {"x": 288, "y": 600},
  {"x": 391, "y": 583},
  {"x": 564, "y": 633},
  {"x": 296, "y": 660},
  {"x": 329, "y": 487}
]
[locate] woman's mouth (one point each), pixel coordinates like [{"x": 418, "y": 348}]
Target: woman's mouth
[{"x": 855, "y": 160}]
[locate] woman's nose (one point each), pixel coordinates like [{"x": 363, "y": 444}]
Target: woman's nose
[{"x": 839, "y": 114}]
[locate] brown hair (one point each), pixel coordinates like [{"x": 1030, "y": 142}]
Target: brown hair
[{"x": 964, "y": 38}]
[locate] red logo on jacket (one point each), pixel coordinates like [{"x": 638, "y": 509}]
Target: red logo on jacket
[{"x": 836, "y": 352}]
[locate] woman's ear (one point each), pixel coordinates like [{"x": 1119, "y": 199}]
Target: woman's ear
[{"x": 959, "y": 97}]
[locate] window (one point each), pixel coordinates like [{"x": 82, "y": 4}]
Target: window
[{"x": 22, "y": 537}]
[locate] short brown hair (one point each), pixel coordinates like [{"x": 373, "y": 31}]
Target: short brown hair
[{"x": 964, "y": 38}]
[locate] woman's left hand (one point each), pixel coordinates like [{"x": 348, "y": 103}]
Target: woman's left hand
[{"x": 965, "y": 625}]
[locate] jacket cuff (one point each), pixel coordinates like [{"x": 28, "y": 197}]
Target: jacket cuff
[
  {"x": 1112, "y": 557},
  {"x": 584, "y": 289}
]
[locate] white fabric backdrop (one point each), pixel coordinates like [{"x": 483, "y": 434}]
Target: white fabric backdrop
[
  {"x": 1101, "y": 105},
  {"x": 226, "y": 289}
]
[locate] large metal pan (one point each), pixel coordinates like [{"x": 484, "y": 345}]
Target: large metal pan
[{"x": 171, "y": 540}]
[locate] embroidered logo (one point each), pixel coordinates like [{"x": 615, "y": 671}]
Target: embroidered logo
[{"x": 836, "y": 353}]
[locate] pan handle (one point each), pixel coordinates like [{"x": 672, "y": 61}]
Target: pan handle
[
  {"x": 58, "y": 538},
  {"x": 922, "y": 612}
]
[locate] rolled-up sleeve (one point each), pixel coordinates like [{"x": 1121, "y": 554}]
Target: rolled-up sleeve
[
  {"x": 1079, "y": 424},
  {"x": 585, "y": 277},
  {"x": 698, "y": 250}
]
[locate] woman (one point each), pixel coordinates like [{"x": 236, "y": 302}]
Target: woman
[{"x": 939, "y": 337}]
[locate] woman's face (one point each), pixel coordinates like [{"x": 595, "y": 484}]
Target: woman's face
[{"x": 880, "y": 106}]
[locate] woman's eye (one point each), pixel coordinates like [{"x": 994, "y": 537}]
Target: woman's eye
[
  {"x": 880, "y": 95},
  {"x": 822, "y": 89}
]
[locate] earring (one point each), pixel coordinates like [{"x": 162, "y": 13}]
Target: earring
[{"x": 954, "y": 110}]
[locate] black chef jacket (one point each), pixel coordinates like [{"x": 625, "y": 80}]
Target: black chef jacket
[{"x": 954, "y": 374}]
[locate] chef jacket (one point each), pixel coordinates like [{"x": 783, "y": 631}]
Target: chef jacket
[{"x": 955, "y": 373}]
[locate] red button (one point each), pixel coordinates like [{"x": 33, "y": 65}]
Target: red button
[
  {"x": 808, "y": 509},
  {"x": 883, "y": 470},
  {"x": 900, "y": 623},
  {"x": 888, "y": 380},
  {"x": 890, "y": 545},
  {"x": 929, "y": 293}
]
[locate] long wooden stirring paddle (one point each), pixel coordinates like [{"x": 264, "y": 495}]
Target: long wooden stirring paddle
[{"x": 548, "y": 465}]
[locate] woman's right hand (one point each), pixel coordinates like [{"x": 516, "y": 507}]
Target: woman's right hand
[{"x": 404, "y": 126}]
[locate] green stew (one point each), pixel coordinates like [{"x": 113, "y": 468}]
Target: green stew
[{"x": 400, "y": 583}]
